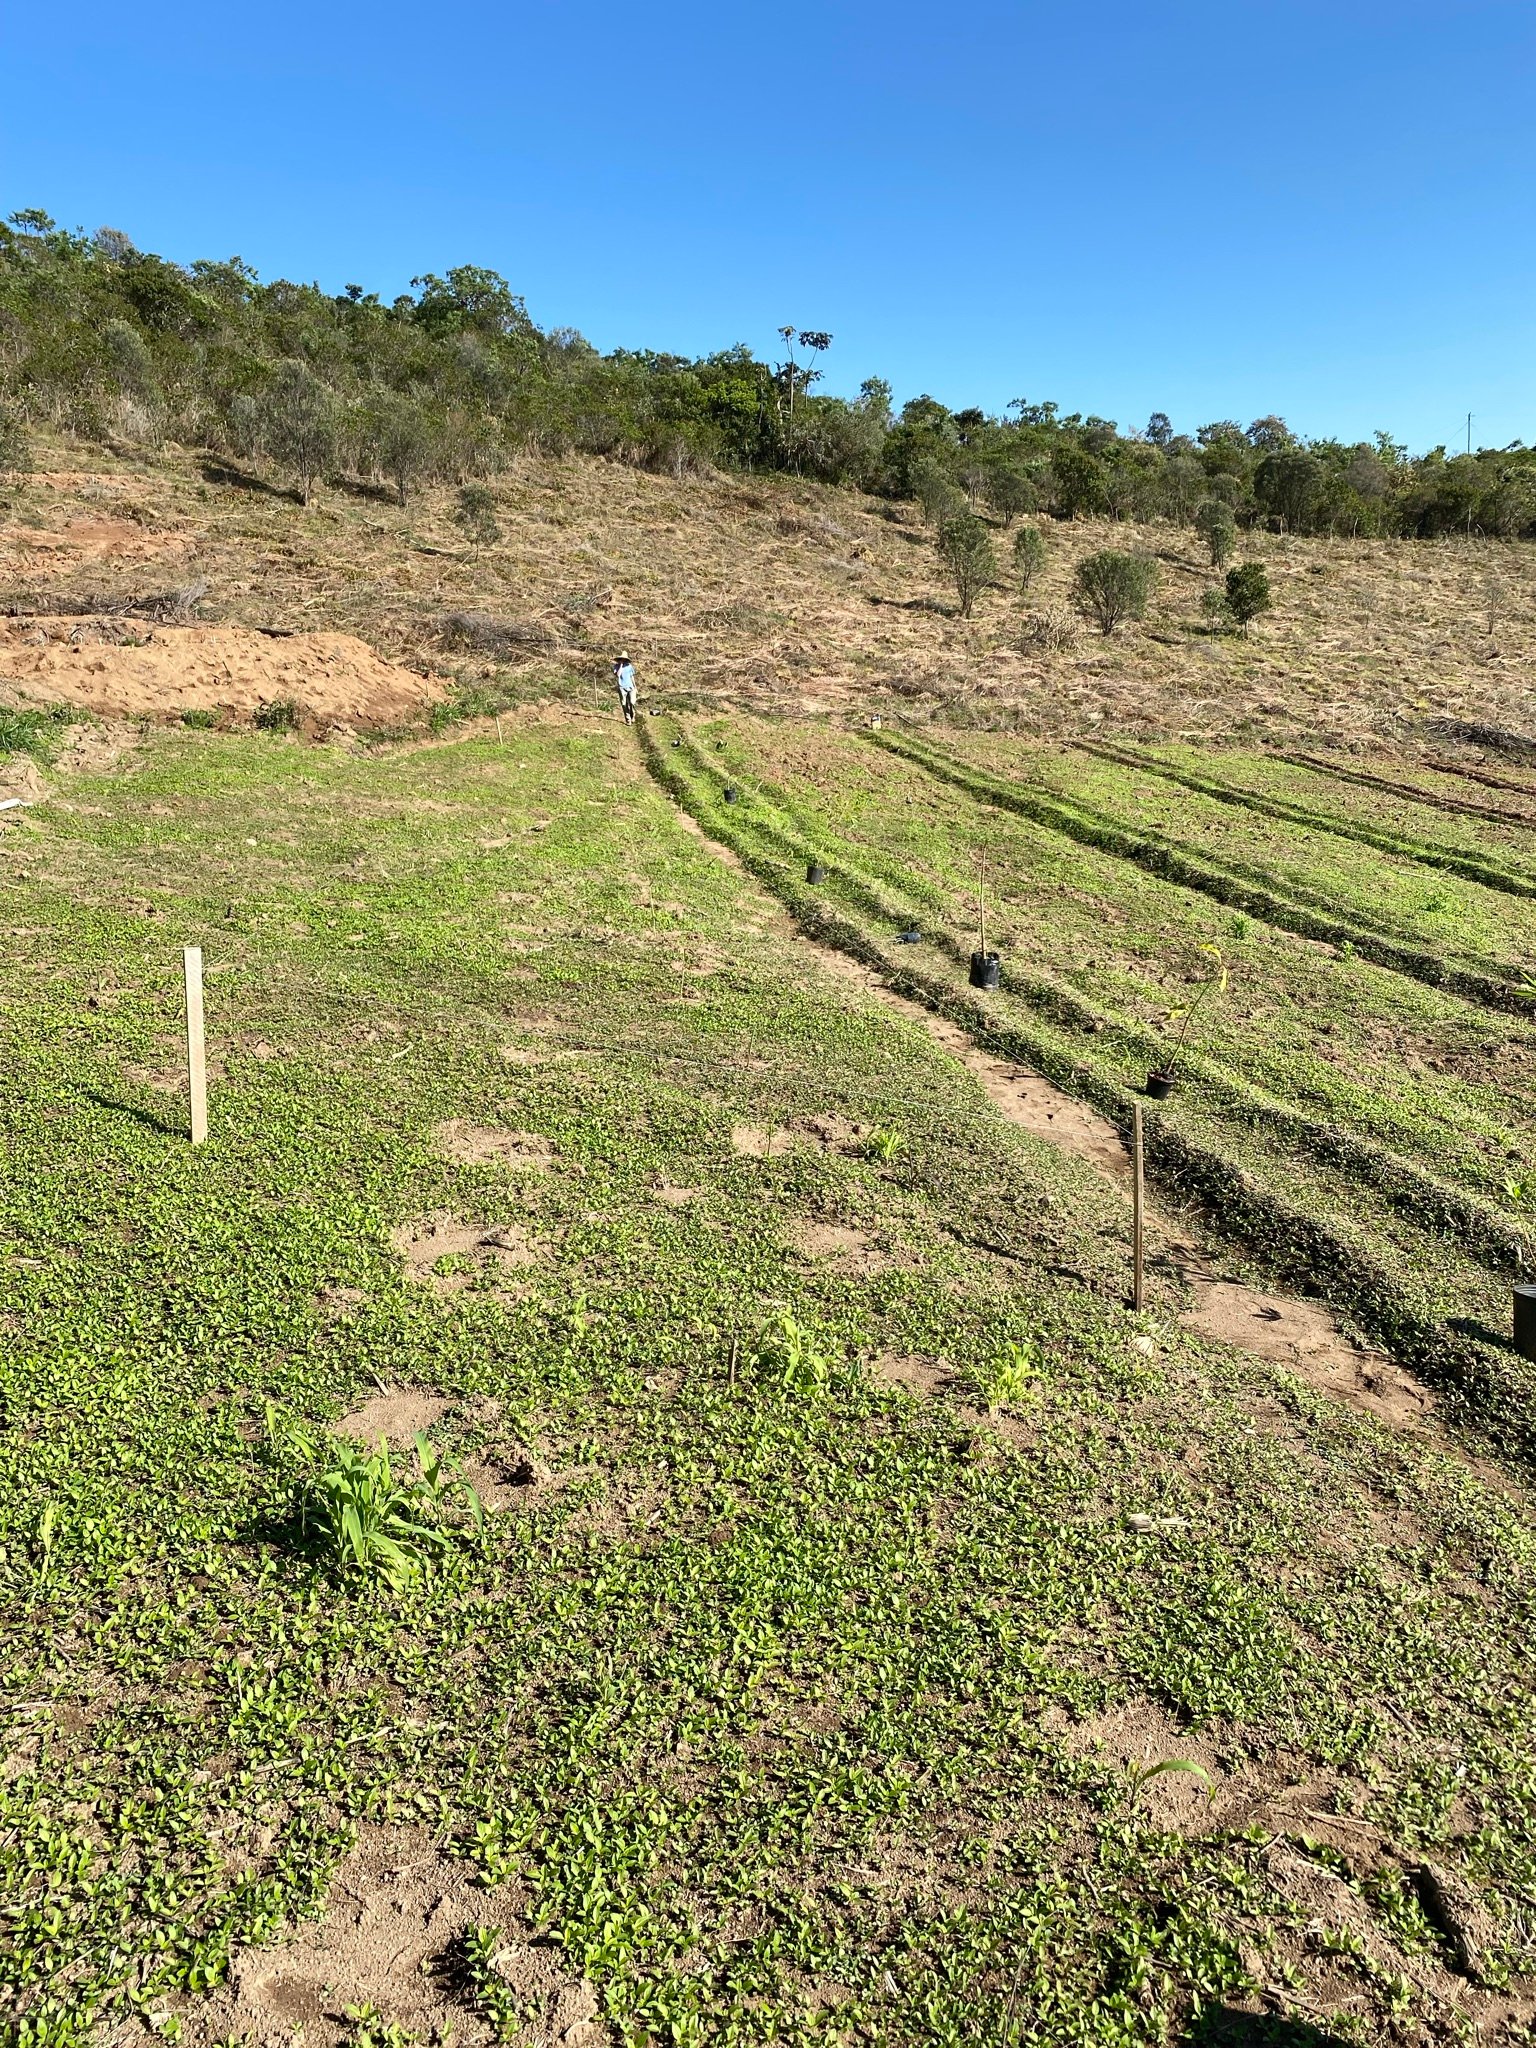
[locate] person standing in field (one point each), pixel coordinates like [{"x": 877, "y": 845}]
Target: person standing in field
[{"x": 624, "y": 678}]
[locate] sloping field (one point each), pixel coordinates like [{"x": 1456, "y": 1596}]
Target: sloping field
[
  {"x": 1363, "y": 1124},
  {"x": 871, "y": 1630}
]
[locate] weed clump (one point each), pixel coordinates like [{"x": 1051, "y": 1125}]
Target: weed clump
[
  {"x": 280, "y": 714},
  {"x": 35, "y": 731}
]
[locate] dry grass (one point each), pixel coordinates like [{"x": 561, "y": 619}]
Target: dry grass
[{"x": 798, "y": 599}]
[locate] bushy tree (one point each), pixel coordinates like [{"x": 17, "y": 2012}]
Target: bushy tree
[
  {"x": 1218, "y": 529},
  {"x": 15, "y": 450},
  {"x": 1029, "y": 555},
  {"x": 476, "y": 513},
  {"x": 1247, "y": 592},
  {"x": 1287, "y": 484},
  {"x": 965, "y": 548},
  {"x": 1009, "y": 490},
  {"x": 299, "y": 423},
  {"x": 937, "y": 492},
  {"x": 404, "y": 442},
  {"x": 1110, "y": 586}
]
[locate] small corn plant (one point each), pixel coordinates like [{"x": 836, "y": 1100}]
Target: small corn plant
[
  {"x": 787, "y": 1351},
  {"x": 374, "y": 1519},
  {"x": 884, "y": 1143},
  {"x": 1010, "y": 1377},
  {"x": 1139, "y": 1776}
]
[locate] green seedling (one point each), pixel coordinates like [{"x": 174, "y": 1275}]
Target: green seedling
[
  {"x": 787, "y": 1352},
  {"x": 493, "y": 1996},
  {"x": 380, "y": 1524},
  {"x": 1184, "y": 1016},
  {"x": 43, "y": 1542},
  {"x": 884, "y": 1143},
  {"x": 1140, "y": 1776},
  {"x": 370, "y": 2029},
  {"x": 1011, "y": 1377}
]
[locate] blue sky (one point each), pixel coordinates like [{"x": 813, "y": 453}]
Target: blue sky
[{"x": 1321, "y": 210}]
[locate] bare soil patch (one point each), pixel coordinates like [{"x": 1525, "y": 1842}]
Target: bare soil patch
[
  {"x": 750, "y": 1141},
  {"x": 1037, "y": 1105},
  {"x": 94, "y": 749},
  {"x": 488, "y": 1145},
  {"x": 841, "y": 1245},
  {"x": 396, "y": 1917},
  {"x": 92, "y": 539},
  {"x": 1304, "y": 1336},
  {"x": 123, "y": 668},
  {"x": 923, "y": 1377},
  {"x": 395, "y": 1416}
]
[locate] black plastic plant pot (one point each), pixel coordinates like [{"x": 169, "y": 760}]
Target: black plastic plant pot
[
  {"x": 1160, "y": 1086},
  {"x": 815, "y": 874},
  {"x": 730, "y": 796},
  {"x": 908, "y": 938},
  {"x": 986, "y": 970},
  {"x": 1525, "y": 1321},
  {"x": 677, "y": 743}
]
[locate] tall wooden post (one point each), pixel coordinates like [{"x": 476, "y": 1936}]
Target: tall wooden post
[
  {"x": 197, "y": 1066},
  {"x": 1138, "y": 1190}
]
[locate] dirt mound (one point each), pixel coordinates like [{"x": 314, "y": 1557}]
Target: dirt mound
[
  {"x": 125, "y": 668},
  {"x": 92, "y": 540}
]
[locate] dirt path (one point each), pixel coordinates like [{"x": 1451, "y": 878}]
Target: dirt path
[{"x": 1299, "y": 1334}]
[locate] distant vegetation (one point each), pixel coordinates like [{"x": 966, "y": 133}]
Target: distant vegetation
[{"x": 451, "y": 380}]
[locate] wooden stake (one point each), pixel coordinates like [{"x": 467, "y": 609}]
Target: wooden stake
[
  {"x": 1138, "y": 1182},
  {"x": 197, "y": 1068},
  {"x": 981, "y": 905},
  {"x": 498, "y": 728}
]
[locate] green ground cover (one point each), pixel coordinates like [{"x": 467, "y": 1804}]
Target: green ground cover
[
  {"x": 788, "y": 1704},
  {"x": 1428, "y": 909},
  {"x": 1349, "y": 1119}
]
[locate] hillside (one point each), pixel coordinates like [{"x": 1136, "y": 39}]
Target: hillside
[{"x": 771, "y": 592}]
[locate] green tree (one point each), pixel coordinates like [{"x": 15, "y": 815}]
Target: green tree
[
  {"x": 15, "y": 451},
  {"x": 298, "y": 422},
  {"x": 1218, "y": 529},
  {"x": 1029, "y": 555},
  {"x": 965, "y": 548},
  {"x": 1247, "y": 592},
  {"x": 1009, "y": 490},
  {"x": 404, "y": 442},
  {"x": 1287, "y": 485},
  {"x": 476, "y": 513},
  {"x": 937, "y": 492},
  {"x": 1110, "y": 586}
]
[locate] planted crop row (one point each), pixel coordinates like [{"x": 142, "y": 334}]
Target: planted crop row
[
  {"x": 1309, "y": 1045},
  {"x": 1471, "y": 865},
  {"x": 1412, "y": 793},
  {"x": 1225, "y": 882},
  {"x": 1385, "y": 1264}
]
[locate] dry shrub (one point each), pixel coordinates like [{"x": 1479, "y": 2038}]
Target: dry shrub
[
  {"x": 1050, "y": 632},
  {"x": 479, "y": 633},
  {"x": 164, "y": 607}
]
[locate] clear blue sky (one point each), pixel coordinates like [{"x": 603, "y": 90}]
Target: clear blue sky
[{"x": 1322, "y": 208}]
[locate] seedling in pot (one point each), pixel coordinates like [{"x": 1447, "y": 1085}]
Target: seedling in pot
[
  {"x": 1161, "y": 1080},
  {"x": 815, "y": 874},
  {"x": 986, "y": 968}
]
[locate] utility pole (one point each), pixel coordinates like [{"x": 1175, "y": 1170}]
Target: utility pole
[{"x": 1469, "y": 433}]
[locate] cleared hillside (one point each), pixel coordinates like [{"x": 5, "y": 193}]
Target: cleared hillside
[{"x": 774, "y": 593}]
